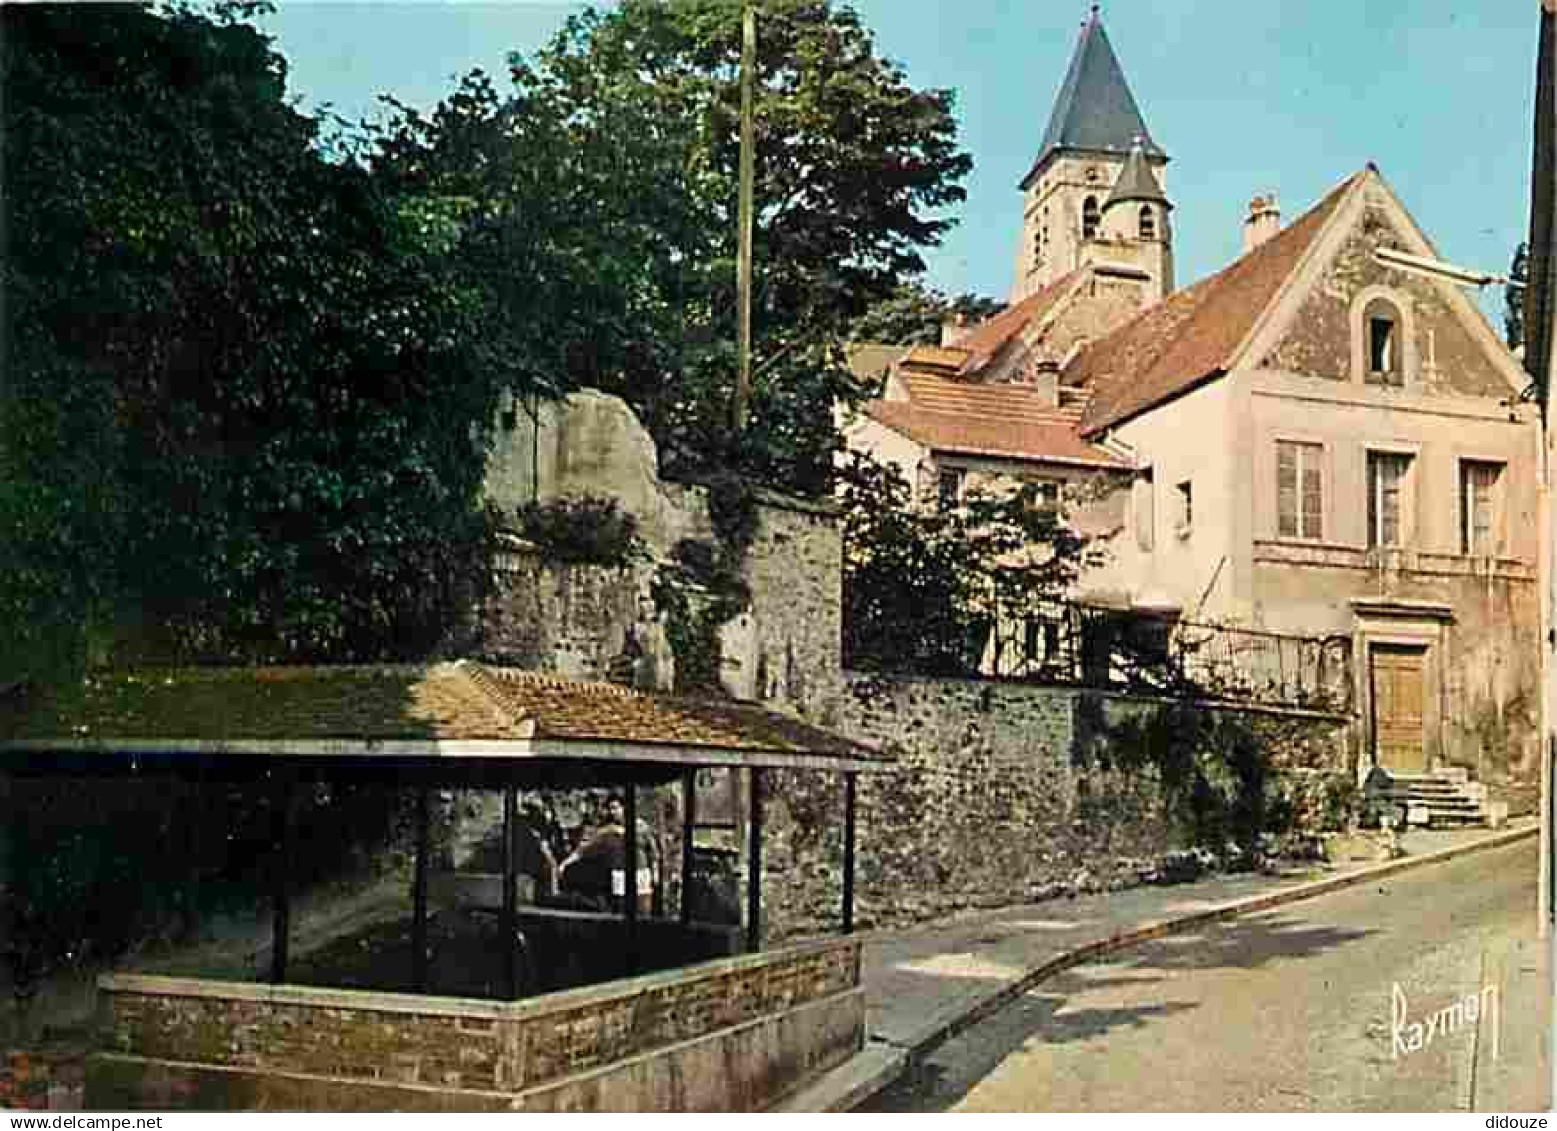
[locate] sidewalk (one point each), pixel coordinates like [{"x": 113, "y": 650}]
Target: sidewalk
[{"x": 925, "y": 985}]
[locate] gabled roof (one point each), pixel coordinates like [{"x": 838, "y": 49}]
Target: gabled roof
[
  {"x": 1191, "y": 336},
  {"x": 991, "y": 335},
  {"x": 980, "y": 345},
  {"x": 1095, "y": 110},
  {"x": 443, "y": 710},
  {"x": 994, "y": 420}
]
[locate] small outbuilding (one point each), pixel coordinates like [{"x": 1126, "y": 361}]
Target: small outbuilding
[{"x": 737, "y": 1032}]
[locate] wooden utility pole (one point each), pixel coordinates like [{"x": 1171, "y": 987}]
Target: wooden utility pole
[
  {"x": 1539, "y": 296},
  {"x": 743, "y": 259}
]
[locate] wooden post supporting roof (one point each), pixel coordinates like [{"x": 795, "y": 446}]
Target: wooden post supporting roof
[
  {"x": 509, "y": 928},
  {"x": 848, "y": 853},
  {"x": 630, "y": 868},
  {"x": 419, "y": 896},
  {"x": 754, "y": 865},
  {"x": 688, "y": 830},
  {"x": 281, "y": 865}
]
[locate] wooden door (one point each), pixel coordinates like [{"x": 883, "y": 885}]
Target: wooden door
[{"x": 1399, "y": 696}]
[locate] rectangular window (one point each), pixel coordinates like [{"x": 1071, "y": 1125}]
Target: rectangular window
[
  {"x": 1144, "y": 503},
  {"x": 1381, "y": 345},
  {"x": 1184, "y": 498},
  {"x": 1299, "y": 490},
  {"x": 1388, "y": 480},
  {"x": 1047, "y": 498},
  {"x": 1479, "y": 481},
  {"x": 949, "y": 485}
]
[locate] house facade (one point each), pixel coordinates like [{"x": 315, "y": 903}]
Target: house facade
[
  {"x": 1306, "y": 442},
  {"x": 1373, "y": 474}
]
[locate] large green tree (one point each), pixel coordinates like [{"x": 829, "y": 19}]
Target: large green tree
[
  {"x": 924, "y": 587},
  {"x": 914, "y": 314},
  {"x": 620, "y": 171},
  {"x": 246, "y": 402}
]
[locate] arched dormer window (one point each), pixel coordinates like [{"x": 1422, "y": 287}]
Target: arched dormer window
[
  {"x": 1381, "y": 328},
  {"x": 1148, "y": 223},
  {"x": 1383, "y": 347},
  {"x": 1089, "y": 218}
]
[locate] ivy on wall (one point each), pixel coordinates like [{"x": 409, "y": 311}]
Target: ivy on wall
[
  {"x": 703, "y": 586},
  {"x": 1221, "y": 773}
]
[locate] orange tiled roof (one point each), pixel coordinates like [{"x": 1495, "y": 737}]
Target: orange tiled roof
[
  {"x": 1191, "y": 336},
  {"x": 446, "y": 702},
  {"x": 1005, "y": 421},
  {"x": 571, "y": 709},
  {"x": 979, "y": 346},
  {"x": 948, "y": 358},
  {"x": 994, "y": 332}
]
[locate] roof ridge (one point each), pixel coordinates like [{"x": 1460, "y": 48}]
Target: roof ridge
[
  {"x": 991, "y": 335},
  {"x": 1338, "y": 195},
  {"x": 553, "y": 680},
  {"x": 478, "y": 676}
]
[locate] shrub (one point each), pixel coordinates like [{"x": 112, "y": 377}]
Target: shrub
[{"x": 589, "y": 530}]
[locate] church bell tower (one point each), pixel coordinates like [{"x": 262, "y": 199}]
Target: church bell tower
[{"x": 1094, "y": 193}]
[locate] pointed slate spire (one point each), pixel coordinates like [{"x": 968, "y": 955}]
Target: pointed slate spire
[
  {"x": 1095, "y": 110},
  {"x": 1137, "y": 181}
]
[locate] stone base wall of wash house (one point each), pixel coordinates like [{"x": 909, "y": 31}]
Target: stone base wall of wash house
[{"x": 737, "y": 1034}]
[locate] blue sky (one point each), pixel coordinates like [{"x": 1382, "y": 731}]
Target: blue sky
[{"x": 1246, "y": 96}]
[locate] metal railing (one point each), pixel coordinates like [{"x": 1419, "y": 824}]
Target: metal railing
[{"x": 1127, "y": 650}]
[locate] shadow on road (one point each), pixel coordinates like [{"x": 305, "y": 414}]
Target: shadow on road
[
  {"x": 946, "y": 1075},
  {"x": 938, "y": 1083},
  {"x": 1247, "y": 944}
]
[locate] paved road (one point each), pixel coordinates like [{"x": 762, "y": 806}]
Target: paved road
[{"x": 1295, "y": 1009}]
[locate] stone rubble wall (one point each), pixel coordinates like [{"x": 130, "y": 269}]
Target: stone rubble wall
[{"x": 998, "y": 798}]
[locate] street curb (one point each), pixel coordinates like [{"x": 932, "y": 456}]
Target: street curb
[
  {"x": 957, "y": 1019},
  {"x": 867, "y": 1072}
]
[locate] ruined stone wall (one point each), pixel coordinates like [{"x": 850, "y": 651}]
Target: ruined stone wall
[
  {"x": 789, "y": 652},
  {"x": 597, "y": 623}
]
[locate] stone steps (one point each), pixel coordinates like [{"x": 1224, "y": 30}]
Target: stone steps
[{"x": 1443, "y": 797}]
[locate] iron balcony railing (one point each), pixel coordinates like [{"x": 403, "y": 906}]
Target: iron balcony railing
[{"x": 1092, "y": 646}]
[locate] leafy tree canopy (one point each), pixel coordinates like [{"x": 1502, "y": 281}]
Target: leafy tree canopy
[
  {"x": 246, "y": 398},
  {"x": 922, "y": 587},
  {"x": 913, "y": 314},
  {"x": 1514, "y": 298},
  {"x": 614, "y": 161}
]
